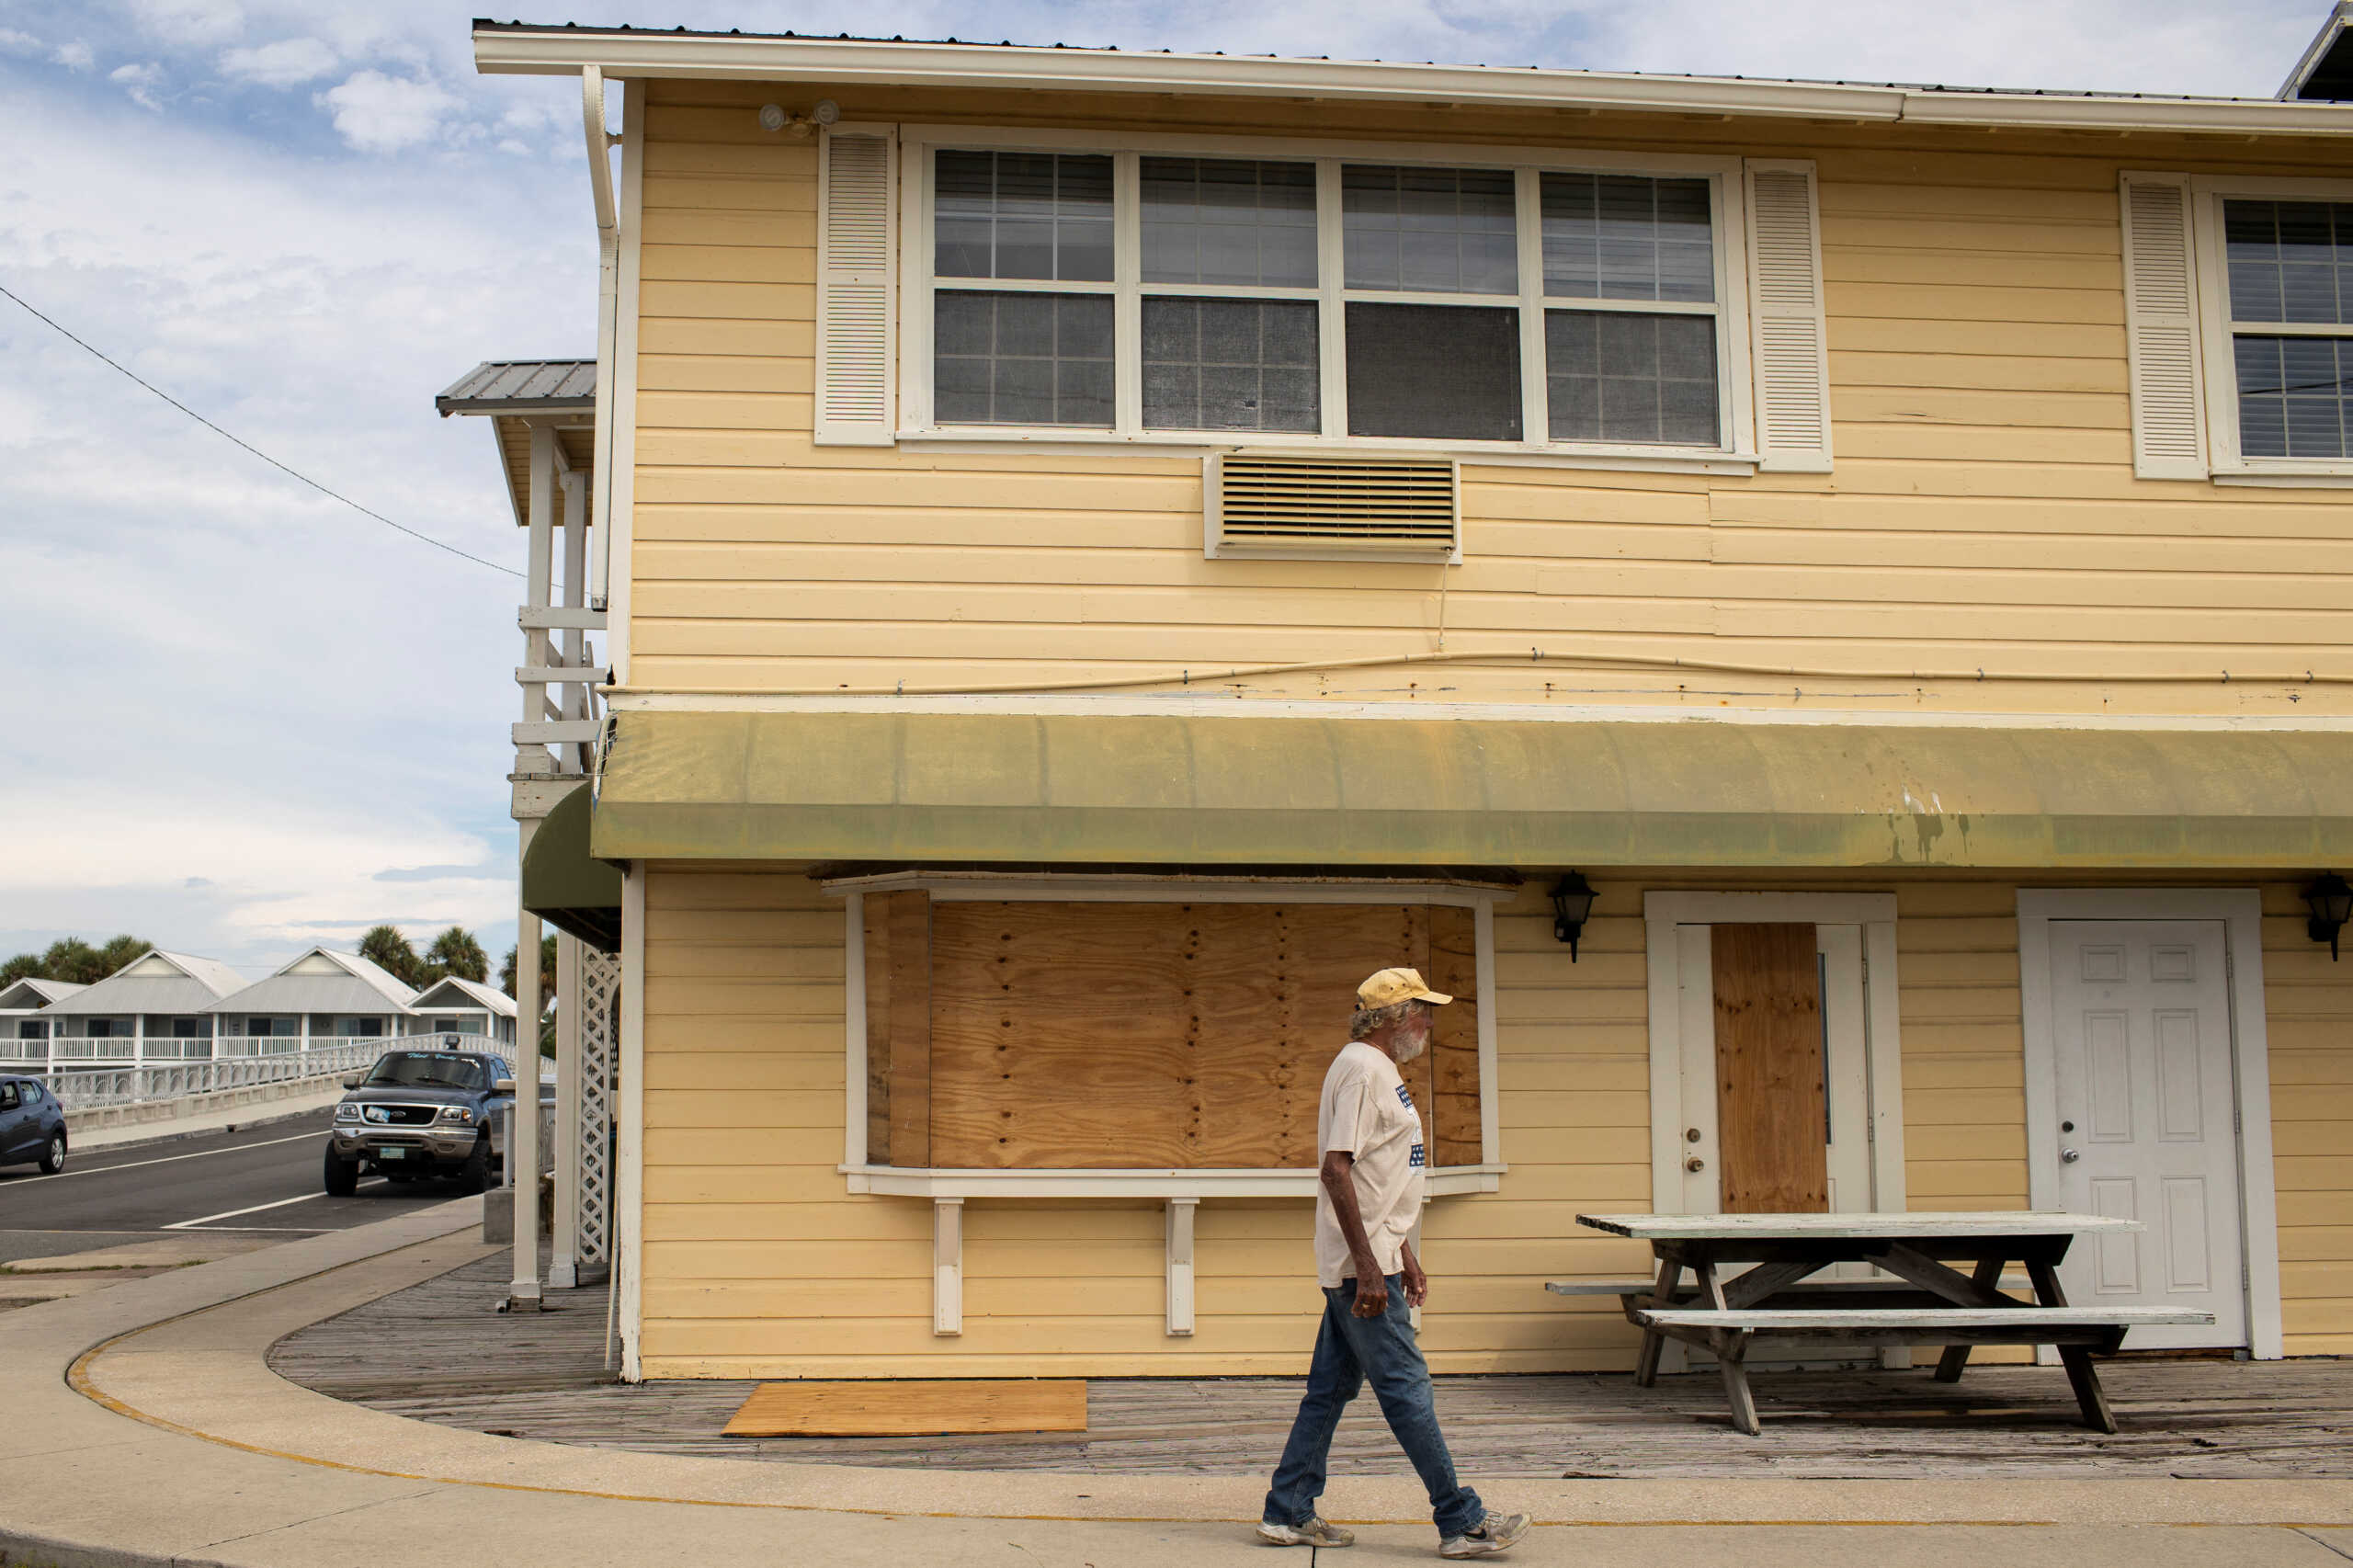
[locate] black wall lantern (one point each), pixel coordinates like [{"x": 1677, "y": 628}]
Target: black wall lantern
[
  {"x": 1571, "y": 902},
  {"x": 2332, "y": 903}
]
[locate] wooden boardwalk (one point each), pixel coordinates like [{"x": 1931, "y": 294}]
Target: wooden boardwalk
[{"x": 439, "y": 1352}]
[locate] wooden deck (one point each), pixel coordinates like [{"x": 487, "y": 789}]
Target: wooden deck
[{"x": 439, "y": 1352}]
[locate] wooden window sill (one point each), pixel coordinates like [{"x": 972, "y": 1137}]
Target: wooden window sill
[{"x": 1445, "y": 1181}]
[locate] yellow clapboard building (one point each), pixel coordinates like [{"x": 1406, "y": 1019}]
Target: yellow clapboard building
[{"x": 1820, "y": 611}]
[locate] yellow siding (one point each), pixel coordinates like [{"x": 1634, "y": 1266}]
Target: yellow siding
[
  {"x": 1982, "y": 514},
  {"x": 758, "y": 1263}
]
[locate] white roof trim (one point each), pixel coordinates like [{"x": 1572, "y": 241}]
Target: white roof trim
[{"x": 853, "y": 63}]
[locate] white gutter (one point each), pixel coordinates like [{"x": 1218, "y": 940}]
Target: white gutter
[
  {"x": 608, "y": 274},
  {"x": 851, "y": 62}
]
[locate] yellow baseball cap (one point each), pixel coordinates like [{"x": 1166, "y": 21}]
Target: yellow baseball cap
[{"x": 1393, "y": 985}]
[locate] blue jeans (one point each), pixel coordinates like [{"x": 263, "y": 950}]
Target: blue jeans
[{"x": 1348, "y": 1351}]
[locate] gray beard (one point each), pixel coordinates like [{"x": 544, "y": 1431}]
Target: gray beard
[{"x": 1401, "y": 1053}]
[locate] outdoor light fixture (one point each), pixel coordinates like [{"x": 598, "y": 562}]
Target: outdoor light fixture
[
  {"x": 2331, "y": 901},
  {"x": 1572, "y": 904},
  {"x": 773, "y": 117}
]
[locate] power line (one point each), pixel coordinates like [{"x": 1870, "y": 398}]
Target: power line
[{"x": 248, "y": 445}]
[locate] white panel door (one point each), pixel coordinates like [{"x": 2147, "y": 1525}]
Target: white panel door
[{"x": 2146, "y": 1119}]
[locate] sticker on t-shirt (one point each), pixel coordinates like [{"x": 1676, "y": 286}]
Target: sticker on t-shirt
[
  {"x": 1415, "y": 1159},
  {"x": 1404, "y": 1098}
]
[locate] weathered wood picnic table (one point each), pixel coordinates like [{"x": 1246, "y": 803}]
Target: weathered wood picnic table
[{"x": 1929, "y": 1301}]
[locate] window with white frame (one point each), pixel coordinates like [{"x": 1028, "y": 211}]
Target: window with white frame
[
  {"x": 2288, "y": 290},
  {"x": 1155, "y": 293}
]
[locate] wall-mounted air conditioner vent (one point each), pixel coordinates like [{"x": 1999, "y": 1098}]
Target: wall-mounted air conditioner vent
[{"x": 1310, "y": 508}]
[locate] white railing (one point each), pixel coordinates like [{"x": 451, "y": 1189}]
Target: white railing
[
  {"x": 229, "y": 1045},
  {"x": 78, "y": 1088}
]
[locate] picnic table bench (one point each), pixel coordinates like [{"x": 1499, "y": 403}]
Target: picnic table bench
[{"x": 1929, "y": 1301}]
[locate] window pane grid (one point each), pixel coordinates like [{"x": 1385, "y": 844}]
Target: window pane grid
[
  {"x": 2290, "y": 261},
  {"x": 1223, "y": 300},
  {"x": 2295, "y": 396}
]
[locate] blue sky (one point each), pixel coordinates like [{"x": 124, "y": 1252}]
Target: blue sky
[{"x": 242, "y": 719}]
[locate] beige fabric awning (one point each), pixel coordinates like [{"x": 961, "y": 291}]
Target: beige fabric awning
[{"x": 1234, "y": 787}]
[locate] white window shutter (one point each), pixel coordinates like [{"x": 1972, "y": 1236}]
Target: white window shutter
[
  {"x": 2161, "y": 329},
  {"x": 1790, "y": 338},
  {"x": 856, "y": 254}
]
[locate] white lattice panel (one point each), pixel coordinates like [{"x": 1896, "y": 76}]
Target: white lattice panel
[{"x": 600, "y": 986}]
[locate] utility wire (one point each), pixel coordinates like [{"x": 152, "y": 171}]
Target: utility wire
[{"x": 248, "y": 445}]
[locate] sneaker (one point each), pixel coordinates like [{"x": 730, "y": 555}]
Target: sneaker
[
  {"x": 1315, "y": 1532},
  {"x": 1496, "y": 1533}
]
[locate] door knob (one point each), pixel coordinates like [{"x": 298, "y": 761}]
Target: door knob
[
  {"x": 2068, "y": 1156},
  {"x": 1695, "y": 1164},
  {"x": 1690, "y": 1135}
]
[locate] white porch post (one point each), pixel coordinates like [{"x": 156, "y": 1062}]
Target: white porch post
[
  {"x": 575, "y": 573},
  {"x": 564, "y": 1261},
  {"x": 538, "y": 570},
  {"x": 523, "y": 1144}
]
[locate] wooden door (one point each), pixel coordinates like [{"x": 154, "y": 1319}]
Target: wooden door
[
  {"x": 2146, "y": 1119},
  {"x": 1772, "y": 1110}
]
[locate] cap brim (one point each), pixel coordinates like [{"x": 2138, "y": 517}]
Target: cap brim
[{"x": 1437, "y": 997}]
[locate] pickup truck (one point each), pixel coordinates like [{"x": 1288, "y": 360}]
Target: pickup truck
[{"x": 420, "y": 1114}]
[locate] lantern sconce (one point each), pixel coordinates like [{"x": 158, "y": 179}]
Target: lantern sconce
[
  {"x": 2332, "y": 905},
  {"x": 1572, "y": 906}
]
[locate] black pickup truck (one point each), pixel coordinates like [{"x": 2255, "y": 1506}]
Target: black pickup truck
[{"x": 420, "y": 1114}]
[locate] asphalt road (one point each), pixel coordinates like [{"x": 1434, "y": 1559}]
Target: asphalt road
[{"x": 260, "y": 1180}]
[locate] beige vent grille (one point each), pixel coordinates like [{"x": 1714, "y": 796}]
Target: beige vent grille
[{"x": 1313, "y": 507}]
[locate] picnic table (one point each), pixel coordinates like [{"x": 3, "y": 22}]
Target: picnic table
[{"x": 1929, "y": 1301}]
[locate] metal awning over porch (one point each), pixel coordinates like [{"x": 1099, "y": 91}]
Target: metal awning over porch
[
  {"x": 1238, "y": 787},
  {"x": 567, "y": 886}
]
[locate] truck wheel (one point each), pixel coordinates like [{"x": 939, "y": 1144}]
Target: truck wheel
[
  {"x": 474, "y": 1175},
  {"x": 342, "y": 1177},
  {"x": 52, "y": 1155}
]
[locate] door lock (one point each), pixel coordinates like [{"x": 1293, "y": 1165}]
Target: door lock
[
  {"x": 1690, "y": 1135},
  {"x": 1695, "y": 1164},
  {"x": 2068, "y": 1156}
]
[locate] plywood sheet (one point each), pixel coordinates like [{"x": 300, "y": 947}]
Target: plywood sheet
[
  {"x": 1454, "y": 1044},
  {"x": 1127, "y": 1034},
  {"x": 898, "y": 1029},
  {"x": 882, "y": 1408},
  {"x": 1769, "y": 1116}
]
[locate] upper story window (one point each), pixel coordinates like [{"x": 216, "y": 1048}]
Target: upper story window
[
  {"x": 2239, "y": 315},
  {"x": 2290, "y": 289},
  {"x": 1545, "y": 301}
]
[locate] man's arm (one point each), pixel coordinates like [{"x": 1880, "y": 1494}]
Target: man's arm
[
  {"x": 1339, "y": 1181},
  {"x": 1417, "y": 1284}
]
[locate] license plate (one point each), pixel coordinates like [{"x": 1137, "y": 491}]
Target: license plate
[{"x": 391, "y": 1154}]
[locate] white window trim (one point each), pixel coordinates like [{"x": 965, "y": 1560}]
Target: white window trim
[
  {"x": 2208, "y": 192},
  {"x": 1734, "y": 370},
  {"x": 943, "y": 1182}
]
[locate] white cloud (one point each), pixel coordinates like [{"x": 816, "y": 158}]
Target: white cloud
[
  {"x": 190, "y": 21},
  {"x": 14, "y": 42},
  {"x": 377, "y": 113},
  {"x": 74, "y": 56},
  {"x": 285, "y": 64},
  {"x": 141, "y": 81}
]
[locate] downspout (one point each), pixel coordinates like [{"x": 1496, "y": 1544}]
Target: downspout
[{"x": 608, "y": 292}]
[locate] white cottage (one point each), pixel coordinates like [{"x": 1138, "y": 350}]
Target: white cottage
[
  {"x": 153, "y": 1009},
  {"x": 322, "y": 999},
  {"x": 464, "y": 1008},
  {"x": 24, "y": 1032}
]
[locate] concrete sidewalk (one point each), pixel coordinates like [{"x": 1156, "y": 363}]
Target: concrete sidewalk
[{"x": 144, "y": 1428}]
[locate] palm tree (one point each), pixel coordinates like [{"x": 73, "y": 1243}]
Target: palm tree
[
  {"x": 384, "y": 947},
  {"x": 24, "y": 966},
  {"x": 456, "y": 951},
  {"x": 547, "y": 970}
]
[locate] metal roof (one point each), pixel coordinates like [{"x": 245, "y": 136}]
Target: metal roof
[
  {"x": 359, "y": 987},
  {"x": 477, "y": 994},
  {"x": 2324, "y": 73},
  {"x": 32, "y": 993},
  {"x": 523, "y": 386},
  {"x": 198, "y": 983},
  {"x": 545, "y": 46}
]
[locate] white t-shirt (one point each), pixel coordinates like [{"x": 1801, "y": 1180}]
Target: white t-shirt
[{"x": 1367, "y": 1111}]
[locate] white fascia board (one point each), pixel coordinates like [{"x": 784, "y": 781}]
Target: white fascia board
[
  {"x": 849, "y": 62},
  {"x": 2317, "y": 51}
]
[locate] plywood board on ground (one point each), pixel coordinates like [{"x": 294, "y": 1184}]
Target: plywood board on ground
[{"x": 880, "y": 1408}]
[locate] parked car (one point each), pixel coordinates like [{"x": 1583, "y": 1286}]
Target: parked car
[
  {"x": 32, "y": 1126},
  {"x": 420, "y": 1114}
]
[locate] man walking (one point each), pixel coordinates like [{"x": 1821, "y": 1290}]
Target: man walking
[{"x": 1371, "y": 1141}]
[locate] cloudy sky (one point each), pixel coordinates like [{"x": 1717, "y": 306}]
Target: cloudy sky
[{"x": 242, "y": 719}]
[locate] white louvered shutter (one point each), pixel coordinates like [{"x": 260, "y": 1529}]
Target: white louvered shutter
[
  {"x": 857, "y": 251},
  {"x": 2161, "y": 329},
  {"x": 1785, "y": 325}
]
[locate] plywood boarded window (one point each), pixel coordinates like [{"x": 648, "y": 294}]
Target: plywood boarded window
[{"x": 1031, "y": 1035}]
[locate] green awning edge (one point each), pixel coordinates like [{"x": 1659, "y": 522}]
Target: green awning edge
[
  {"x": 1239, "y": 789},
  {"x": 565, "y": 885}
]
